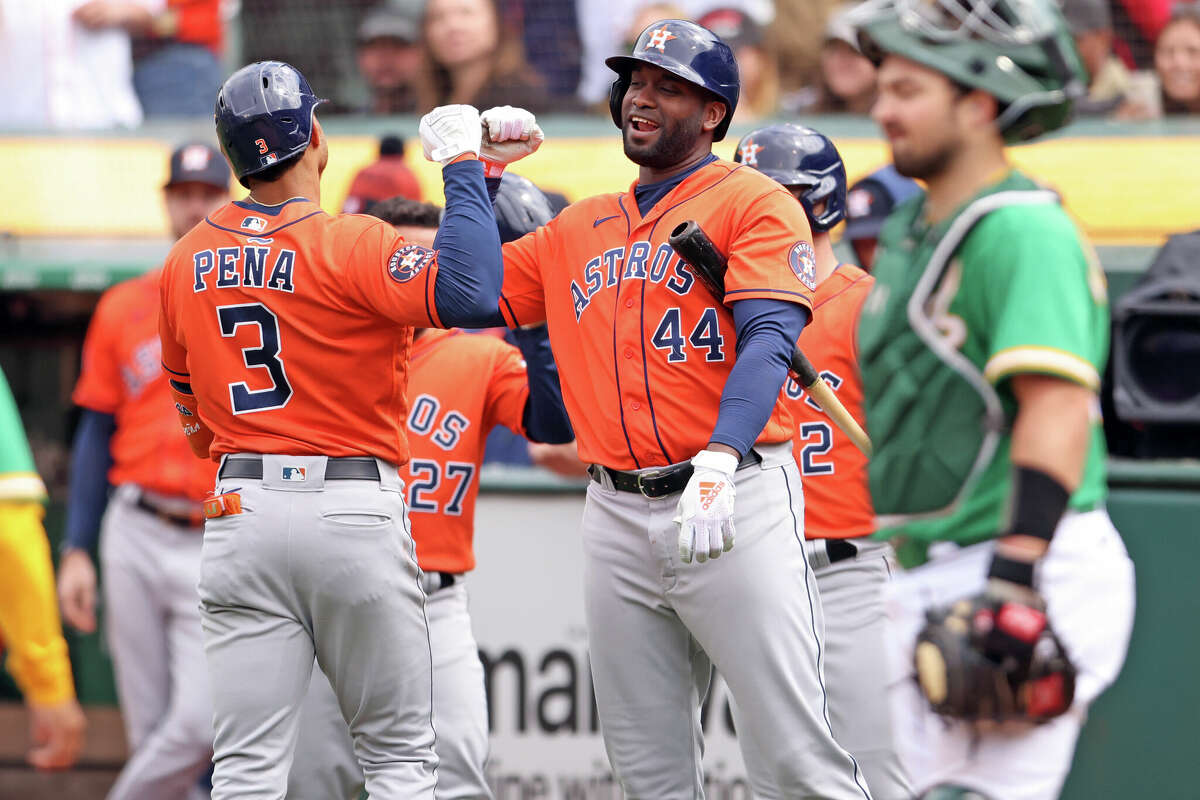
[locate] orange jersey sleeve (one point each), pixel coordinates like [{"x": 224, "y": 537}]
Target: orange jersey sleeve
[
  {"x": 642, "y": 348},
  {"x": 121, "y": 375},
  {"x": 522, "y": 297},
  {"x": 461, "y": 385},
  {"x": 293, "y": 328},
  {"x": 837, "y": 502}
]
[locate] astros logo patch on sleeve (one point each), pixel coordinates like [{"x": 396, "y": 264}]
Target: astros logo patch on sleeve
[
  {"x": 803, "y": 262},
  {"x": 407, "y": 262}
]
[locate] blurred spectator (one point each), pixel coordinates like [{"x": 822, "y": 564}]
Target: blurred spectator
[
  {"x": 1138, "y": 24},
  {"x": 550, "y": 32},
  {"x": 1177, "y": 61},
  {"x": 869, "y": 201},
  {"x": 1174, "y": 86},
  {"x": 604, "y": 24},
  {"x": 387, "y": 177},
  {"x": 470, "y": 58},
  {"x": 756, "y": 63},
  {"x": 63, "y": 67},
  {"x": 389, "y": 56},
  {"x": 176, "y": 70},
  {"x": 1091, "y": 26},
  {"x": 798, "y": 32},
  {"x": 316, "y": 38},
  {"x": 847, "y": 77}
]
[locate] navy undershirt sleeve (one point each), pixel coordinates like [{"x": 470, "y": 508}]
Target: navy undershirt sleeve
[
  {"x": 545, "y": 417},
  {"x": 767, "y": 331},
  {"x": 87, "y": 495},
  {"x": 470, "y": 267}
]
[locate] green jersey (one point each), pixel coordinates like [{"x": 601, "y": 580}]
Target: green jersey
[
  {"x": 1005, "y": 286},
  {"x": 18, "y": 479}
]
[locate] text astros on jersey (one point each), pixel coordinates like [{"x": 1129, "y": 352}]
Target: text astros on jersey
[{"x": 643, "y": 348}]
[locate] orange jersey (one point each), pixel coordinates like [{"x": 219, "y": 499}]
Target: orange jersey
[
  {"x": 643, "y": 349},
  {"x": 293, "y": 328},
  {"x": 837, "y": 503},
  {"x": 460, "y": 387},
  {"x": 122, "y": 376}
]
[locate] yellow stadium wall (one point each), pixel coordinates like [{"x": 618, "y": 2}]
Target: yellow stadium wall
[{"x": 1127, "y": 190}]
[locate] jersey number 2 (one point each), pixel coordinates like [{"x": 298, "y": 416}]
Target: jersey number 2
[
  {"x": 823, "y": 444},
  {"x": 242, "y": 398}
]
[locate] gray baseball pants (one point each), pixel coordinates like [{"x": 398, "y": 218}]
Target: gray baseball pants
[
  {"x": 656, "y": 626},
  {"x": 856, "y": 668},
  {"x": 325, "y": 767},
  {"x": 152, "y": 624},
  {"x": 326, "y": 570}
]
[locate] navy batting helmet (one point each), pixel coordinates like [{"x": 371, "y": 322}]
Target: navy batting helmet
[
  {"x": 803, "y": 159},
  {"x": 520, "y": 207},
  {"x": 688, "y": 50},
  {"x": 264, "y": 116}
]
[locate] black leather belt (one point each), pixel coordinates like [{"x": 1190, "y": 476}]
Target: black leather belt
[
  {"x": 354, "y": 468},
  {"x": 657, "y": 482},
  {"x": 176, "y": 518},
  {"x": 840, "y": 550}
]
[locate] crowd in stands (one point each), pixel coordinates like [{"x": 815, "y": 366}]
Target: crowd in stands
[{"x": 93, "y": 64}]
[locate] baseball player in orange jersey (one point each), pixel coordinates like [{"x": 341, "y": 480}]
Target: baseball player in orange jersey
[
  {"x": 851, "y": 570},
  {"x": 286, "y": 336},
  {"x": 459, "y": 388},
  {"x": 128, "y": 441},
  {"x": 656, "y": 372}
]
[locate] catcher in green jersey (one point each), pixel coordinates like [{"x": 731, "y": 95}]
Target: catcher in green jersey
[{"x": 981, "y": 347}]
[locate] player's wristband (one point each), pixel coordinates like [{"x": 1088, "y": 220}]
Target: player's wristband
[
  {"x": 1038, "y": 503},
  {"x": 492, "y": 169}
]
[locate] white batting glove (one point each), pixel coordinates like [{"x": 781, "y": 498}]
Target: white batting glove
[
  {"x": 510, "y": 134},
  {"x": 705, "y": 513},
  {"x": 449, "y": 131}
]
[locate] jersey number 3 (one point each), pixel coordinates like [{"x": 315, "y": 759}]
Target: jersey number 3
[{"x": 242, "y": 398}]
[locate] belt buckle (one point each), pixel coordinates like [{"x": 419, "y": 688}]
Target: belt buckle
[{"x": 641, "y": 487}]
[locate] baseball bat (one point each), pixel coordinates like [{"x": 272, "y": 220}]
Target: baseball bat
[{"x": 693, "y": 245}]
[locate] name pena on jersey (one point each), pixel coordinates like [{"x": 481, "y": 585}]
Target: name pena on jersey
[
  {"x": 605, "y": 271},
  {"x": 230, "y": 267}
]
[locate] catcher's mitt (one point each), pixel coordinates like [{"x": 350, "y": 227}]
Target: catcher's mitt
[{"x": 987, "y": 658}]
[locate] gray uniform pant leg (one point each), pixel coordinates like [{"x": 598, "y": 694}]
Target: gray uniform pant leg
[
  {"x": 325, "y": 767},
  {"x": 754, "y": 611},
  {"x": 153, "y": 620},
  {"x": 856, "y": 668},
  {"x": 332, "y": 574}
]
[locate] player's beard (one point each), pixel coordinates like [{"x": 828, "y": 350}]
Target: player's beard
[
  {"x": 675, "y": 142},
  {"x": 929, "y": 163}
]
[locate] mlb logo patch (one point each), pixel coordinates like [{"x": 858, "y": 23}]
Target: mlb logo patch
[
  {"x": 803, "y": 262},
  {"x": 407, "y": 262},
  {"x": 269, "y": 158},
  {"x": 256, "y": 224},
  {"x": 294, "y": 474}
]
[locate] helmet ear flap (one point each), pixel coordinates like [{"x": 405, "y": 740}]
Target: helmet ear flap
[{"x": 616, "y": 96}]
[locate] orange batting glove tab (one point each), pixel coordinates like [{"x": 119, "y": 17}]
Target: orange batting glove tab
[{"x": 198, "y": 435}]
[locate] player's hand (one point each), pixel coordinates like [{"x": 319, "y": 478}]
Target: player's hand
[
  {"x": 449, "y": 131},
  {"x": 705, "y": 513},
  {"x": 56, "y": 734},
  {"x": 510, "y": 134},
  {"x": 77, "y": 590}
]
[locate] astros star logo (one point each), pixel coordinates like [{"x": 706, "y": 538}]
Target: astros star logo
[
  {"x": 659, "y": 38},
  {"x": 749, "y": 153}
]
